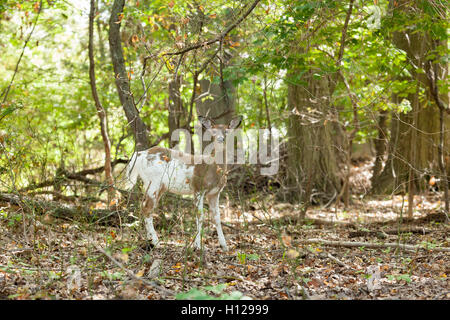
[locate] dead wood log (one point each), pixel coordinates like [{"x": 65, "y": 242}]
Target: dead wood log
[
  {"x": 432, "y": 216},
  {"x": 349, "y": 244},
  {"x": 61, "y": 210},
  {"x": 383, "y": 233},
  {"x": 66, "y": 198},
  {"x": 286, "y": 220},
  {"x": 78, "y": 176}
]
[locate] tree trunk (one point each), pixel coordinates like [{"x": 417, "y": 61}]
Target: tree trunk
[
  {"x": 122, "y": 81},
  {"x": 417, "y": 46},
  {"x": 100, "y": 110},
  {"x": 266, "y": 105},
  {"x": 316, "y": 139},
  {"x": 221, "y": 108},
  {"x": 175, "y": 107},
  {"x": 100, "y": 38},
  {"x": 312, "y": 162},
  {"x": 380, "y": 145}
]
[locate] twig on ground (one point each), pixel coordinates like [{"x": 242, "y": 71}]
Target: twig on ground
[
  {"x": 132, "y": 275},
  {"x": 339, "y": 262}
]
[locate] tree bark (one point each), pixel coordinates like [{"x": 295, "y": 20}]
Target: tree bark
[
  {"x": 218, "y": 100},
  {"x": 219, "y": 108},
  {"x": 316, "y": 139},
  {"x": 266, "y": 105},
  {"x": 312, "y": 161},
  {"x": 175, "y": 107},
  {"x": 435, "y": 72},
  {"x": 100, "y": 110},
  {"x": 395, "y": 174},
  {"x": 380, "y": 145},
  {"x": 122, "y": 81}
]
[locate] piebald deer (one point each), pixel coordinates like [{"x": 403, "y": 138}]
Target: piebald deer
[{"x": 167, "y": 170}]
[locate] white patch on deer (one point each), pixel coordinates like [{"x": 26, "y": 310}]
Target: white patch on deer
[
  {"x": 151, "y": 233},
  {"x": 154, "y": 172}
]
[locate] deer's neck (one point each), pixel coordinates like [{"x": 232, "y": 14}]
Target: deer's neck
[{"x": 221, "y": 162}]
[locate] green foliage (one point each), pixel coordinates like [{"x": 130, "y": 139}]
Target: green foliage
[
  {"x": 399, "y": 277},
  {"x": 113, "y": 275},
  {"x": 243, "y": 257},
  {"x": 50, "y": 119},
  {"x": 210, "y": 293},
  {"x": 12, "y": 218}
]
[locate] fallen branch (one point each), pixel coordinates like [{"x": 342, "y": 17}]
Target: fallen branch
[
  {"x": 433, "y": 216},
  {"x": 337, "y": 261},
  {"x": 66, "y": 198},
  {"x": 59, "y": 210},
  {"x": 349, "y": 244},
  {"x": 102, "y": 168},
  {"x": 315, "y": 221},
  {"x": 383, "y": 233},
  {"x": 79, "y": 176}
]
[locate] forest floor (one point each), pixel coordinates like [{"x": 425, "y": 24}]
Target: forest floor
[{"x": 271, "y": 254}]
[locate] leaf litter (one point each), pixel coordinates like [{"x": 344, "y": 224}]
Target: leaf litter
[{"x": 267, "y": 258}]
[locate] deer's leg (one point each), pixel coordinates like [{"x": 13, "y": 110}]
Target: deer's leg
[
  {"x": 213, "y": 201},
  {"x": 150, "y": 204},
  {"x": 198, "y": 237}
]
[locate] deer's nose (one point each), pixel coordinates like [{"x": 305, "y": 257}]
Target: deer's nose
[{"x": 220, "y": 139}]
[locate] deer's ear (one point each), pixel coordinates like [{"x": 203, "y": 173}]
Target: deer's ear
[
  {"x": 206, "y": 122},
  {"x": 235, "y": 122}
]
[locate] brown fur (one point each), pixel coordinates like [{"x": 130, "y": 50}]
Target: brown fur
[
  {"x": 164, "y": 153},
  {"x": 208, "y": 177},
  {"x": 150, "y": 204}
]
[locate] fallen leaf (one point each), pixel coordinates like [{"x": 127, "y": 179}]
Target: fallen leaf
[
  {"x": 286, "y": 240},
  {"x": 292, "y": 254}
]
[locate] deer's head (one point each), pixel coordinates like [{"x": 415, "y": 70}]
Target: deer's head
[{"x": 220, "y": 131}]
